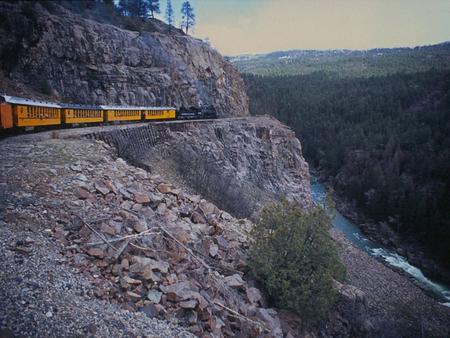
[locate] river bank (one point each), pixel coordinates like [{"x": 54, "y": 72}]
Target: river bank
[
  {"x": 399, "y": 300},
  {"x": 383, "y": 234},
  {"x": 395, "y": 305}
]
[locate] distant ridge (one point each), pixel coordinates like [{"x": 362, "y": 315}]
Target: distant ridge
[
  {"x": 445, "y": 45},
  {"x": 346, "y": 62}
]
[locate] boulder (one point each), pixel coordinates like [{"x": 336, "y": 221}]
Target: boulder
[
  {"x": 198, "y": 218},
  {"x": 149, "y": 275},
  {"x": 208, "y": 208},
  {"x": 165, "y": 188},
  {"x": 350, "y": 292},
  {"x": 133, "y": 296},
  {"x": 155, "y": 198},
  {"x": 218, "y": 228},
  {"x": 142, "y": 262},
  {"x": 142, "y": 198},
  {"x": 253, "y": 295},
  {"x": 125, "y": 264},
  {"x": 96, "y": 252},
  {"x": 270, "y": 318},
  {"x": 133, "y": 221},
  {"x": 222, "y": 242},
  {"x": 154, "y": 296},
  {"x": 185, "y": 211},
  {"x": 106, "y": 229},
  {"x": 125, "y": 194},
  {"x": 234, "y": 281},
  {"x": 101, "y": 187},
  {"x": 194, "y": 198},
  {"x": 140, "y": 226},
  {"x": 226, "y": 216},
  {"x": 126, "y": 281},
  {"x": 213, "y": 250},
  {"x": 150, "y": 310},
  {"x": 188, "y": 304},
  {"x": 178, "y": 292},
  {"x": 82, "y": 193}
]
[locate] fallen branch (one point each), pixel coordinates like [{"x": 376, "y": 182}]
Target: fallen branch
[
  {"x": 201, "y": 261},
  {"x": 220, "y": 282},
  {"x": 118, "y": 239},
  {"x": 238, "y": 315},
  {"x": 141, "y": 247},
  {"x": 103, "y": 238},
  {"x": 121, "y": 250}
]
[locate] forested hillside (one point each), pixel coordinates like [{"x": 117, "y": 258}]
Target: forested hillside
[
  {"x": 385, "y": 141},
  {"x": 347, "y": 63}
]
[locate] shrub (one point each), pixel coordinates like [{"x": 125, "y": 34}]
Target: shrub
[{"x": 295, "y": 260}]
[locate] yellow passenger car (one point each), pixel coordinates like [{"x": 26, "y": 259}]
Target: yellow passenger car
[
  {"x": 75, "y": 114},
  {"x": 6, "y": 116},
  {"x": 122, "y": 113},
  {"x": 20, "y": 112},
  {"x": 31, "y": 113},
  {"x": 159, "y": 113}
]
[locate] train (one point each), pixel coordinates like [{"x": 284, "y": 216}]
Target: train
[{"x": 20, "y": 113}]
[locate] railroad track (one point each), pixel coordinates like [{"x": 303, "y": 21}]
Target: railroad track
[{"x": 61, "y": 131}]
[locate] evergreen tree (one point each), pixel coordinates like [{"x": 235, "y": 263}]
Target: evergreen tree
[
  {"x": 188, "y": 16},
  {"x": 153, "y": 7},
  {"x": 169, "y": 13},
  {"x": 123, "y": 7},
  {"x": 128, "y": 7},
  {"x": 295, "y": 259},
  {"x": 134, "y": 8}
]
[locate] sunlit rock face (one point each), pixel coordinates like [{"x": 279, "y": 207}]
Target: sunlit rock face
[
  {"x": 63, "y": 56},
  {"x": 239, "y": 164}
]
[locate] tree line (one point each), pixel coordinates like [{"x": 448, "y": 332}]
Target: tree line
[
  {"x": 139, "y": 10},
  {"x": 383, "y": 141}
]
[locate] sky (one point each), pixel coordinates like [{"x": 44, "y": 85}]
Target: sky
[{"x": 236, "y": 27}]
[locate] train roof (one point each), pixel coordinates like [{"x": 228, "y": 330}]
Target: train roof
[
  {"x": 28, "y": 102},
  {"x": 38, "y": 103},
  {"x": 136, "y": 108},
  {"x": 80, "y": 106}
]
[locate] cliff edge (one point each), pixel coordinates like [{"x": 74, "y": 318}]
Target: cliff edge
[{"x": 240, "y": 164}]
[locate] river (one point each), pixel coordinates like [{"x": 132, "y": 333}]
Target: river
[{"x": 353, "y": 233}]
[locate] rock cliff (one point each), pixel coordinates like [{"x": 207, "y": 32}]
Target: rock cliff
[
  {"x": 54, "y": 53},
  {"x": 239, "y": 164}
]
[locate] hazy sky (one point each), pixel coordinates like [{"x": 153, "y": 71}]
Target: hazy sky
[{"x": 255, "y": 26}]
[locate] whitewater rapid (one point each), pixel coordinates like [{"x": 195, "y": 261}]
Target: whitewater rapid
[{"x": 354, "y": 234}]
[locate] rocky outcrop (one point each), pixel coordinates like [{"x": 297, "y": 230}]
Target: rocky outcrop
[
  {"x": 132, "y": 235},
  {"x": 60, "y": 55},
  {"x": 239, "y": 164}
]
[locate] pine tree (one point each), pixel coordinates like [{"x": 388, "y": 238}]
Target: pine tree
[
  {"x": 153, "y": 7},
  {"x": 133, "y": 8},
  {"x": 188, "y": 16},
  {"x": 169, "y": 13},
  {"x": 124, "y": 7},
  {"x": 295, "y": 260}
]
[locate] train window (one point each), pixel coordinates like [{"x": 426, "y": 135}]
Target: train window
[{"x": 41, "y": 112}]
